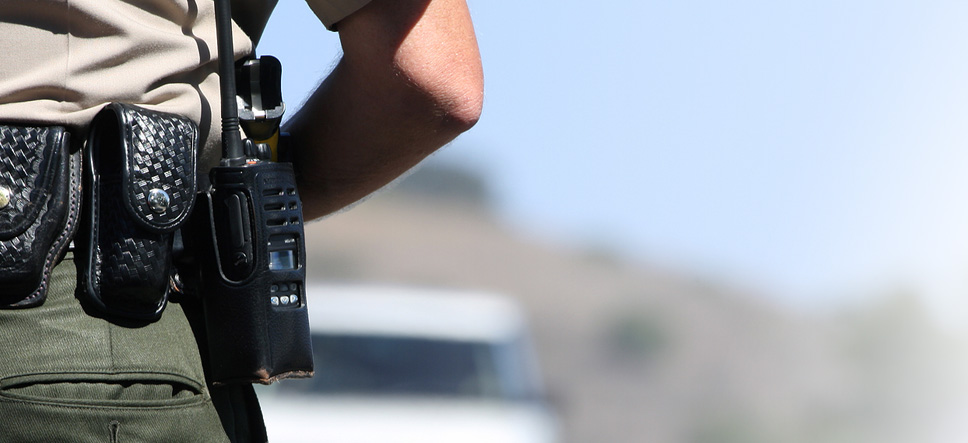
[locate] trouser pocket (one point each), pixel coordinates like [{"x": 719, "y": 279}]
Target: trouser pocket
[{"x": 107, "y": 408}]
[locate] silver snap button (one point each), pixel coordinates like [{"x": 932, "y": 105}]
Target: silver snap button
[
  {"x": 158, "y": 200},
  {"x": 5, "y": 196}
]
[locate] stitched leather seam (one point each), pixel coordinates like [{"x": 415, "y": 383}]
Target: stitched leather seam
[
  {"x": 58, "y": 246},
  {"x": 62, "y": 241}
]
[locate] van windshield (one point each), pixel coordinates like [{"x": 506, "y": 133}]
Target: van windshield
[{"x": 383, "y": 365}]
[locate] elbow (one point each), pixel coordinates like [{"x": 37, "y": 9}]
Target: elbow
[
  {"x": 462, "y": 106},
  {"x": 453, "y": 96},
  {"x": 450, "y": 85},
  {"x": 420, "y": 59}
]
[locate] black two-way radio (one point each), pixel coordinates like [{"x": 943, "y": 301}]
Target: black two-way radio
[{"x": 253, "y": 270}]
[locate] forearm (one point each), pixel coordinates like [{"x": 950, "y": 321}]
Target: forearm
[{"x": 409, "y": 82}]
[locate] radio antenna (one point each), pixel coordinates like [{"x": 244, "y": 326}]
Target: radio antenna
[{"x": 232, "y": 151}]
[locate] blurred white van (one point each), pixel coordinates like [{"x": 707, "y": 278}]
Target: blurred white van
[{"x": 412, "y": 365}]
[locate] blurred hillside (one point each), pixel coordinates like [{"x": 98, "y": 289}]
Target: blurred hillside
[{"x": 633, "y": 352}]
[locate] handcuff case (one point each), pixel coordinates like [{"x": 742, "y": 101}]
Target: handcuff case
[{"x": 39, "y": 204}]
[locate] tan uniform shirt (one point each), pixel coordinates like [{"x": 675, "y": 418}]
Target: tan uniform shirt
[{"x": 61, "y": 61}]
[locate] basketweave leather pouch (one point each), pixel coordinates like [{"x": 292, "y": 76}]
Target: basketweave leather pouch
[
  {"x": 39, "y": 204},
  {"x": 139, "y": 188}
]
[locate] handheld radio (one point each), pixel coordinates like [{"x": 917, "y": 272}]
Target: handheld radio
[{"x": 253, "y": 270}]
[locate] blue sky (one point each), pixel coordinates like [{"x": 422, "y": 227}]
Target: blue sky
[{"x": 815, "y": 149}]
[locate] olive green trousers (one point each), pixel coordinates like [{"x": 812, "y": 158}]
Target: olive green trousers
[{"x": 70, "y": 375}]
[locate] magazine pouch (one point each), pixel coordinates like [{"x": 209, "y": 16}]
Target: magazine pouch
[
  {"x": 39, "y": 204},
  {"x": 139, "y": 188}
]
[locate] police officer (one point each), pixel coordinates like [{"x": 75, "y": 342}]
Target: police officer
[{"x": 409, "y": 81}]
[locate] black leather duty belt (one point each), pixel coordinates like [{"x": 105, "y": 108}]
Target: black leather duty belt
[{"x": 137, "y": 173}]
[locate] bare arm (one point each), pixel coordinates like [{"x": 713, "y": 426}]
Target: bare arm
[{"x": 409, "y": 82}]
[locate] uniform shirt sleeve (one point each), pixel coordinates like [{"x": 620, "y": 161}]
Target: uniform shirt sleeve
[{"x": 330, "y": 12}]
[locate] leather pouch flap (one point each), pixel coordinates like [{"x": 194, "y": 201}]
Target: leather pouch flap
[
  {"x": 158, "y": 169},
  {"x": 28, "y": 165}
]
